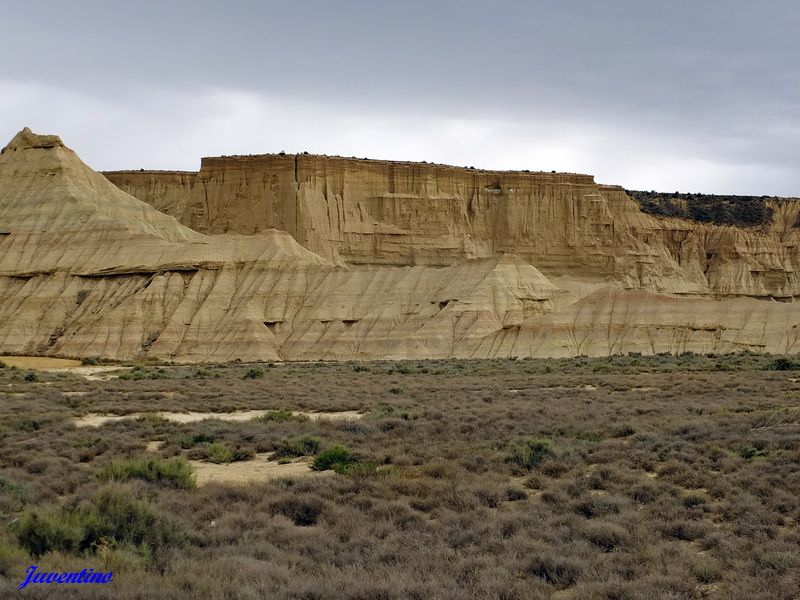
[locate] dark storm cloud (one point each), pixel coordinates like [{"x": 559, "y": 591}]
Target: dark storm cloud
[{"x": 682, "y": 95}]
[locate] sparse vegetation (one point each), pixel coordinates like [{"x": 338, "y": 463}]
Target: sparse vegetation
[
  {"x": 280, "y": 416},
  {"x": 336, "y": 457},
  {"x": 173, "y": 472},
  {"x": 620, "y": 477},
  {"x": 254, "y": 374},
  {"x": 744, "y": 211}
]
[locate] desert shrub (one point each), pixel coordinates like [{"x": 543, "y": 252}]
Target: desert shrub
[
  {"x": 778, "y": 561},
  {"x": 11, "y": 557},
  {"x": 190, "y": 441},
  {"x": 254, "y": 374},
  {"x": 385, "y": 411},
  {"x": 514, "y": 494},
  {"x": 280, "y": 416},
  {"x": 529, "y": 454},
  {"x": 174, "y": 472},
  {"x": 304, "y": 445},
  {"x": 112, "y": 514},
  {"x": 621, "y": 431},
  {"x": 31, "y": 376},
  {"x": 782, "y": 364},
  {"x": 596, "y": 506},
  {"x": 588, "y": 436},
  {"x": 20, "y": 492},
  {"x": 334, "y": 457},
  {"x": 706, "y": 571},
  {"x": 139, "y": 373},
  {"x": 304, "y": 510},
  {"x": 558, "y": 571},
  {"x": 685, "y": 530},
  {"x": 644, "y": 493},
  {"x": 606, "y": 536},
  {"x": 694, "y": 500},
  {"x": 751, "y": 452},
  {"x": 41, "y": 531},
  {"x": 2, "y": 365},
  {"x": 363, "y": 469},
  {"x": 218, "y": 453}
]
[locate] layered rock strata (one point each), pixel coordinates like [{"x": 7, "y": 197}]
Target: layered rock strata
[
  {"x": 436, "y": 267},
  {"x": 394, "y": 213}
]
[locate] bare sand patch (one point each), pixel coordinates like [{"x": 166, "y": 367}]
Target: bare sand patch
[
  {"x": 342, "y": 415},
  {"x": 249, "y": 471},
  {"x": 64, "y": 365},
  {"x": 95, "y": 420},
  {"x": 92, "y": 373},
  {"x": 39, "y": 362},
  {"x": 154, "y": 446}
]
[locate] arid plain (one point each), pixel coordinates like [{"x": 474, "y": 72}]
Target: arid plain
[
  {"x": 623, "y": 477},
  {"x": 299, "y": 376}
]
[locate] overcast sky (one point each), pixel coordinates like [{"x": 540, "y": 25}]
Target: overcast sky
[{"x": 667, "y": 95}]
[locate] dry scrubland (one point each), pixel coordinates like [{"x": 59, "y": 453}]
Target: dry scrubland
[{"x": 619, "y": 478}]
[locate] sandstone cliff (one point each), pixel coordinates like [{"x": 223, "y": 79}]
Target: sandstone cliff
[
  {"x": 395, "y": 213},
  {"x": 374, "y": 260}
]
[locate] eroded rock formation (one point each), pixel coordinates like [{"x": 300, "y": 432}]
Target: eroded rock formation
[
  {"x": 395, "y": 213},
  {"x": 303, "y": 257}
]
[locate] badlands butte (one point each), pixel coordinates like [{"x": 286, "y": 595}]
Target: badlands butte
[{"x": 304, "y": 257}]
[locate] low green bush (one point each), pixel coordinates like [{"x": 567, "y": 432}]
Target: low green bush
[
  {"x": 335, "y": 457},
  {"x": 218, "y": 453},
  {"x": 254, "y": 374},
  {"x": 304, "y": 445},
  {"x": 190, "y": 441},
  {"x": 782, "y": 364},
  {"x": 280, "y": 416},
  {"x": 111, "y": 514},
  {"x": 751, "y": 452},
  {"x": 529, "y": 454},
  {"x": 173, "y": 472}
]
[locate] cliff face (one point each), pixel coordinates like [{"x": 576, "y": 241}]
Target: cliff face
[
  {"x": 371, "y": 260},
  {"x": 394, "y": 213}
]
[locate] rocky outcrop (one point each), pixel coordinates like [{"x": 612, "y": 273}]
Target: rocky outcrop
[
  {"x": 88, "y": 270},
  {"x": 394, "y": 213}
]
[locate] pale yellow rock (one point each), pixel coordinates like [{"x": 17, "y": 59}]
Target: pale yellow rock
[
  {"x": 395, "y": 213},
  {"x": 375, "y": 260}
]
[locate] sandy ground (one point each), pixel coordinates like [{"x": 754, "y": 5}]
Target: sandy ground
[
  {"x": 39, "y": 362},
  {"x": 97, "y": 373},
  {"x": 63, "y": 365},
  {"x": 258, "y": 469},
  {"x": 95, "y": 420}
]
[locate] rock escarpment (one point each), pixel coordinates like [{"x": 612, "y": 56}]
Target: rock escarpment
[
  {"x": 363, "y": 260},
  {"x": 394, "y": 213}
]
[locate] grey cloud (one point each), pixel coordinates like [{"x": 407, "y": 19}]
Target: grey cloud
[{"x": 632, "y": 87}]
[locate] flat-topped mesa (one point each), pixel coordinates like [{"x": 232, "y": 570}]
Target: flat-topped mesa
[
  {"x": 398, "y": 213},
  {"x": 378, "y": 212}
]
